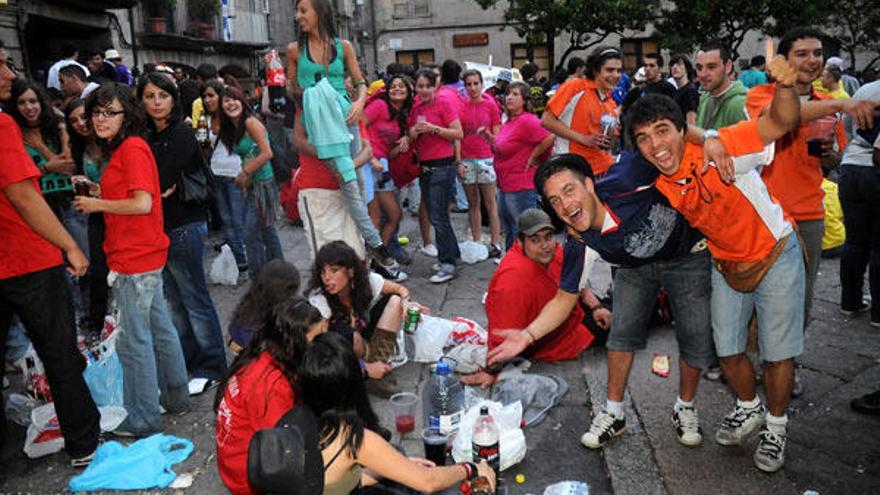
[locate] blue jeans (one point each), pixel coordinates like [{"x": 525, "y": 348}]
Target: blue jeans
[
  {"x": 511, "y": 204},
  {"x": 17, "y": 341},
  {"x": 435, "y": 183},
  {"x": 153, "y": 368},
  {"x": 687, "y": 280},
  {"x": 778, "y": 302},
  {"x": 261, "y": 239},
  {"x": 77, "y": 224},
  {"x": 189, "y": 301},
  {"x": 230, "y": 205}
]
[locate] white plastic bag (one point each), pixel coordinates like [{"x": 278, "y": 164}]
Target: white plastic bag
[
  {"x": 430, "y": 338},
  {"x": 568, "y": 488},
  {"x": 511, "y": 440},
  {"x": 473, "y": 252},
  {"x": 44, "y": 433},
  {"x": 224, "y": 270}
]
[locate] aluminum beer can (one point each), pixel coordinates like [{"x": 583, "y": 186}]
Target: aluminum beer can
[{"x": 411, "y": 323}]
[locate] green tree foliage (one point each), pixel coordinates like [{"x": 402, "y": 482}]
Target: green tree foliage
[
  {"x": 687, "y": 23},
  {"x": 585, "y": 22}
]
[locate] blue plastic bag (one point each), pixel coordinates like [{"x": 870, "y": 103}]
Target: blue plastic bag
[
  {"x": 142, "y": 465},
  {"x": 103, "y": 375}
]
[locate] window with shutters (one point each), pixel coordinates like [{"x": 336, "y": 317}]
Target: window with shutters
[{"x": 411, "y": 8}]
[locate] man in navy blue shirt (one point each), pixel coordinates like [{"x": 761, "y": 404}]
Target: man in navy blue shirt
[{"x": 624, "y": 219}]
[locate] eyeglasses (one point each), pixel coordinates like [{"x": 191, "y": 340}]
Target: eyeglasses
[{"x": 107, "y": 114}]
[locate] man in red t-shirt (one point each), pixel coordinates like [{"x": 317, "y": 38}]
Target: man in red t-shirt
[
  {"x": 32, "y": 286},
  {"x": 510, "y": 304}
]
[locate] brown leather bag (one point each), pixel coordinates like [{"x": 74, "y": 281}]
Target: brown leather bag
[{"x": 744, "y": 276}]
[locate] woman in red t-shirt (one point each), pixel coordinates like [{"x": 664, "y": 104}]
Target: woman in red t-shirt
[
  {"x": 519, "y": 147},
  {"x": 258, "y": 389},
  {"x": 433, "y": 127},
  {"x": 137, "y": 248},
  {"x": 475, "y": 166},
  {"x": 385, "y": 118}
]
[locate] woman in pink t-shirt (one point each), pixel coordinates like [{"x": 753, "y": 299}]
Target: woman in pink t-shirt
[
  {"x": 520, "y": 146},
  {"x": 475, "y": 167},
  {"x": 385, "y": 119},
  {"x": 434, "y": 126}
]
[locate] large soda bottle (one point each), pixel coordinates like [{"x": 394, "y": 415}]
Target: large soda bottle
[
  {"x": 443, "y": 399},
  {"x": 276, "y": 79},
  {"x": 484, "y": 442}
]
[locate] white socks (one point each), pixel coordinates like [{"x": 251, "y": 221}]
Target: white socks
[
  {"x": 680, "y": 403},
  {"x": 777, "y": 424},
  {"x": 749, "y": 404},
  {"x": 615, "y": 408}
]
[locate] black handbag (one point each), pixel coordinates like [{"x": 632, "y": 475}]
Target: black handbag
[{"x": 196, "y": 187}]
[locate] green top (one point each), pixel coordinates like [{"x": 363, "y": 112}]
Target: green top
[
  {"x": 92, "y": 168},
  {"x": 247, "y": 149},
  {"x": 308, "y": 72},
  {"x": 50, "y": 182}
]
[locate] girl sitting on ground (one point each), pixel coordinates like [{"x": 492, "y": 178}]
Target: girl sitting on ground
[
  {"x": 278, "y": 280},
  {"x": 258, "y": 389},
  {"x": 354, "y": 455}
]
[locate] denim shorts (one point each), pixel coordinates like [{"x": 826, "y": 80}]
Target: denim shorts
[
  {"x": 388, "y": 186},
  {"x": 778, "y": 302},
  {"x": 478, "y": 171},
  {"x": 687, "y": 281}
]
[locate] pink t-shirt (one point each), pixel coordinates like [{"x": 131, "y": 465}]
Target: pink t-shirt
[
  {"x": 439, "y": 112},
  {"x": 514, "y": 143},
  {"x": 383, "y": 130},
  {"x": 474, "y": 115}
]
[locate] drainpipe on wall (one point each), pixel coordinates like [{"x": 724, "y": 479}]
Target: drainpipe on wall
[{"x": 373, "y": 35}]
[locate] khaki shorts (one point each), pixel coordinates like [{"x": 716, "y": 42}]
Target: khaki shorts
[
  {"x": 325, "y": 219},
  {"x": 478, "y": 171}
]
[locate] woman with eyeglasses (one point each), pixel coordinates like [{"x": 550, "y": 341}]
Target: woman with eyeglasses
[
  {"x": 243, "y": 134},
  {"x": 177, "y": 153},
  {"x": 137, "y": 249}
]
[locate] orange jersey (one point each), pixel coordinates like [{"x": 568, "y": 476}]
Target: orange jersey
[
  {"x": 793, "y": 177},
  {"x": 740, "y": 221},
  {"x": 578, "y": 105}
]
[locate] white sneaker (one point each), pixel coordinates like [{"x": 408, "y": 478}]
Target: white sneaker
[
  {"x": 739, "y": 424},
  {"x": 770, "y": 453},
  {"x": 687, "y": 426},
  {"x": 604, "y": 427},
  {"x": 198, "y": 386},
  {"x": 429, "y": 250},
  {"x": 442, "y": 277}
]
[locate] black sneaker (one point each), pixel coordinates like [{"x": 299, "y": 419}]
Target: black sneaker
[
  {"x": 495, "y": 251},
  {"x": 867, "y": 404},
  {"x": 383, "y": 257},
  {"x": 850, "y": 312},
  {"x": 604, "y": 427}
]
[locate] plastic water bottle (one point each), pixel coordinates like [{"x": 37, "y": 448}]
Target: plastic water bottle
[
  {"x": 443, "y": 399},
  {"x": 485, "y": 440}
]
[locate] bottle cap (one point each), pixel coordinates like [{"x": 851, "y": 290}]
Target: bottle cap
[
  {"x": 443, "y": 368},
  {"x": 484, "y": 410}
]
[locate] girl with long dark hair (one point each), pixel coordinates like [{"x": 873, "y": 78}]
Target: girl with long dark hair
[
  {"x": 276, "y": 281},
  {"x": 259, "y": 387},
  {"x": 149, "y": 349},
  {"x": 243, "y": 134},
  {"x": 385, "y": 118},
  {"x": 192, "y": 310},
  {"x": 433, "y": 127},
  {"x": 329, "y": 383},
  {"x": 361, "y": 305},
  {"x": 225, "y": 165}
]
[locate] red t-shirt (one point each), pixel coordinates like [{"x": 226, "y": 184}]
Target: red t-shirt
[
  {"x": 382, "y": 129},
  {"x": 441, "y": 112},
  {"x": 133, "y": 243},
  {"x": 255, "y": 399},
  {"x": 22, "y": 250},
  {"x": 514, "y": 143},
  {"x": 474, "y": 115},
  {"x": 511, "y": 304}
]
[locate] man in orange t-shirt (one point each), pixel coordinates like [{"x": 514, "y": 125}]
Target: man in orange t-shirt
[
  {"x": 743, "y": 225},
  {"x": 575, "y": 112}
]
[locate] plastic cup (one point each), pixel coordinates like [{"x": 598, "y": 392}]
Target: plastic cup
[
  {"x": 435, "y": 445},
  {"x": 819, "y": 134},
  {"x": 403, "y": 405}
]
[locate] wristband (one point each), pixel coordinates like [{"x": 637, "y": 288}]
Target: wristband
[
  {"x": 709, "y": 134},
  {"x": 534, "y": 339},
  {"x": 470, "y": 470}
]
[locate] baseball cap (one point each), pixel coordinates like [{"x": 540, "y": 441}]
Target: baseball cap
[
  {"x": 112, "y": 54},
  {"x": 505, "y": 75},
  {"x": 287, "y": 459},
  {"x": 533, "y": 221},
  {"x": 834, "y": 62}
]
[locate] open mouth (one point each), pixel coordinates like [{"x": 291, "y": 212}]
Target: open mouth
[{"x": 576, "y": 215}]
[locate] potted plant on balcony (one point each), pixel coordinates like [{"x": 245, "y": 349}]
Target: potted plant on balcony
[
  {"x": 156, "y": 13},
  {"x": 203, "y": 13}
]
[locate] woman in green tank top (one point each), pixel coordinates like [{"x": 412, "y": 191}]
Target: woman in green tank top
[
  {"x": 246, "y": 136},
  {"x": 319, "y": 53}
]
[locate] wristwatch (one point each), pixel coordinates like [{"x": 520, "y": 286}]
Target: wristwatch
[{"x": 709, "y": 134}]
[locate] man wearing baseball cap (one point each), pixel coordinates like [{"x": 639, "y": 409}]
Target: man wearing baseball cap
[
  {"x": 123, "y": 75},
  {"x": 537, "y": 257}
]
